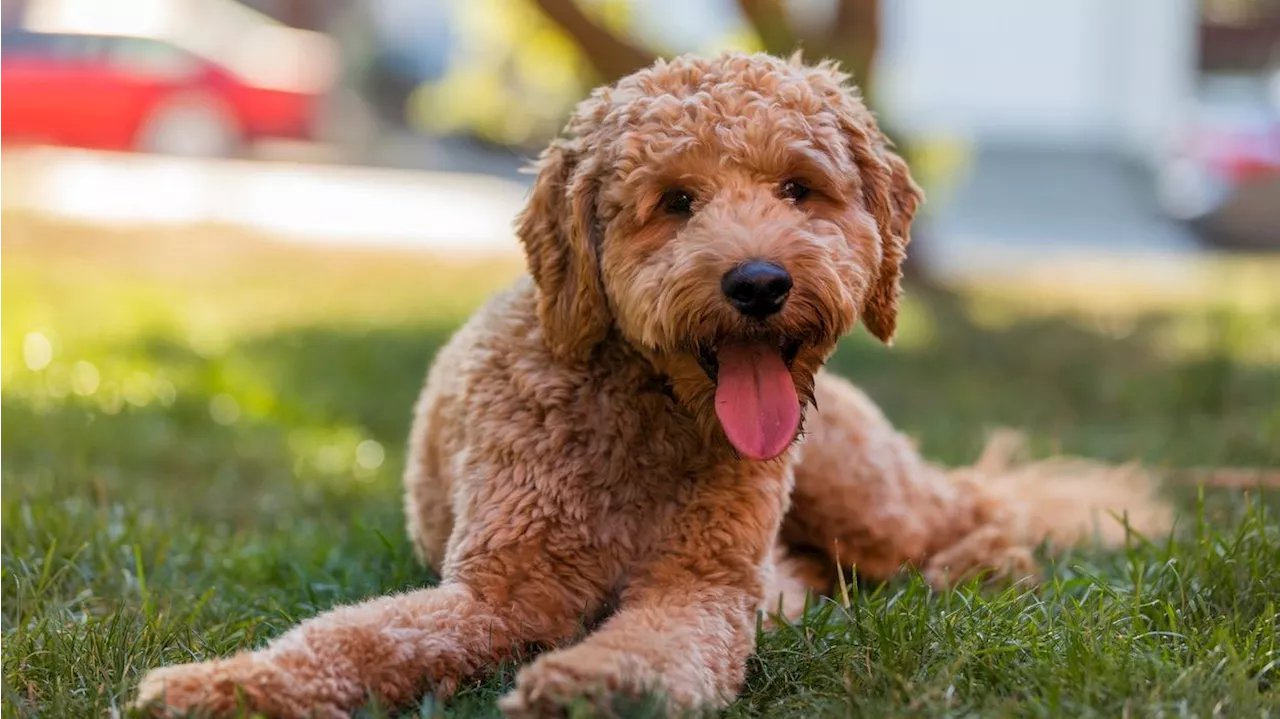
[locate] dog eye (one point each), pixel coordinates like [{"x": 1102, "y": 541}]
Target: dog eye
[
  {"x": 795, "y": 190},
  {"x": 678, "y": 203}
]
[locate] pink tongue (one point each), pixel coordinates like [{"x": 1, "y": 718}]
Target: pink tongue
[{"x": 756, "y": 400}]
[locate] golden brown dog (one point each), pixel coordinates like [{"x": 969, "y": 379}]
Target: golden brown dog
[{"x": 613, "y": 443}]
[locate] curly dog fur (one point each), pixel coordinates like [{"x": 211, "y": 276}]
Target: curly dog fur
[{"x": 571, "y": 474}]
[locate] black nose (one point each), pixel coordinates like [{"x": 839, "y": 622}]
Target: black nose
[{"x": 758, "y": 289}]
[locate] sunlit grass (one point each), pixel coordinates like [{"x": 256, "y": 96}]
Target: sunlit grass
[{"x": 204, "y": 434}]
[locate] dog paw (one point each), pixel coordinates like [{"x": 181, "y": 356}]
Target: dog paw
[
  {"x": 575, "y": 683},
  {"x": 185, "y": 689},
  {"x": 993, "y": 566},
  {"x": 221, "y": 688}
]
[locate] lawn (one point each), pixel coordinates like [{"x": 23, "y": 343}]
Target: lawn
[{"x": 204, "y": 434}]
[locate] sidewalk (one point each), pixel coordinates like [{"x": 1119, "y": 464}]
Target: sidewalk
[
  {"x": 1023, "y": 209},
  {"x": 452, "y": 213}
]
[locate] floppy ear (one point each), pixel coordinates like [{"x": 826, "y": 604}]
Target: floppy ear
[
  {"x": 893, "y": 202},
  {"x": 558, "y": 229},
  {"x": 888, "y": 192}
]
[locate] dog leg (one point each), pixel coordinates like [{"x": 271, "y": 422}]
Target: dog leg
[
  {"x": 687, "y": 644},
  {"x": 686, "y": 621},
  {"x": 792, "y": 580},
  {"x": 393, "y": 648},
  {"x": 865, "y": 495}
]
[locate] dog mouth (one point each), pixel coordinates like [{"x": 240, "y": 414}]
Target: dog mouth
[
  {"x": 756, "y": 400},
  {"x": 708, "y": 359}
]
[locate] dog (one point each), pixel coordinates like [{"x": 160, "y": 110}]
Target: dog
[{"x": 625, "y": 458}]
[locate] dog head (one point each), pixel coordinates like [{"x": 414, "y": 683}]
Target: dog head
[{"x": 730, "y": 219}]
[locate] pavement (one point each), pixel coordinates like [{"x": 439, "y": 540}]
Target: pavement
[
  {"x": 452, "y": 213},
  {"x": 1018, "y": 207}
]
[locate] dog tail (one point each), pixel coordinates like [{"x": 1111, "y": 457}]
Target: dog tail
[{"x": 1067, "y": 501}]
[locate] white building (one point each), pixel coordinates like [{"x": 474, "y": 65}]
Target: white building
[{"x": 1087, "y": 74}]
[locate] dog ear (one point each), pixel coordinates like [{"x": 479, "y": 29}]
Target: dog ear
[
  {"x": 888, "y": 192},
  {"x": 558, "y": 229},
  {"x": 893, "y": 201}
]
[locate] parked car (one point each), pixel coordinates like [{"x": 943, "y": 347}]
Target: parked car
[
  {"x": 118, "y": 92},
  {"x": 1224, "y": 178}
]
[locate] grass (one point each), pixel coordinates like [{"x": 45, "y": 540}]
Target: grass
[{"x": 204, "y": 433}]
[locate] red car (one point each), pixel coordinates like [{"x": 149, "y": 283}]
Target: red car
[
  {"x": 134, "y": 93},
  {"x": 1223, "y": 180}
]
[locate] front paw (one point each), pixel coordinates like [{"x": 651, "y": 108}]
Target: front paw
[
  {"x": 579, "y": 682},
  {"x": 184, "y": 689},
  {"x": 221, "y": 688}
]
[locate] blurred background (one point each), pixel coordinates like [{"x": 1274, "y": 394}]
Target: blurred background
[{"x": 1042, "y": 130}]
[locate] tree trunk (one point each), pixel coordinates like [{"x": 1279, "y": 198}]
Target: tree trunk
[
  {"x": 302, "y": 14},
  {"x": 611, "y": 56},
  {"x": 769, "y": 19},
  {"x": 854, "y": 40}
]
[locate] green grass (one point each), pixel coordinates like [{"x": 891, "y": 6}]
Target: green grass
[{"x": 203, "y": 438}]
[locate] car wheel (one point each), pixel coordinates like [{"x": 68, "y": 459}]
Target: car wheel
[{"x": 192, "y": 125}]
